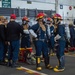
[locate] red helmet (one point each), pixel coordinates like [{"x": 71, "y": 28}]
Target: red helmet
[
  {"x": 25, "y": 19},
  {"x": 40, "y": 15},
  {"x": 49, "y": 19},
  {"x": 58, "y": 16},
  {"x": 12, "y": 16}
]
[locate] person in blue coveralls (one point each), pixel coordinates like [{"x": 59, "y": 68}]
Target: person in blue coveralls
[
  {"x": 39, "y": 32},
  {"x": 50, "y": 29},
  {"x": 60, "y": 39},
  {"x": 25, "y": 40}
]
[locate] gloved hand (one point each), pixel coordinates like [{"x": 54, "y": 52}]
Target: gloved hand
[
  {"x": 26, "y": 31},
  {"x": 57, "y": 37}
]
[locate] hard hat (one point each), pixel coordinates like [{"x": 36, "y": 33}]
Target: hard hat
[
  {"x": 58, "y": 16},
  {"x": 12, "y": 16},
  {"x": 25, "y": 19},
  {"x": 40, "y": 15},
  {"x": 49, "y": 19}
]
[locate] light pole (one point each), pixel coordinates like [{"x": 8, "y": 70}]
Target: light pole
[{"x": 56, "y": 6}]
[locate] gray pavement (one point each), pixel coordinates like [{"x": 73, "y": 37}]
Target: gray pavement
[{"x": 69, "y": 67}]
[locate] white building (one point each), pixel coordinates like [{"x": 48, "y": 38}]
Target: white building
[{"x": 47, "y": 5}]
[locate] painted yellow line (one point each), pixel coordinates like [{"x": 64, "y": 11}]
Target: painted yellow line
[{"x": 30, "y": 71}]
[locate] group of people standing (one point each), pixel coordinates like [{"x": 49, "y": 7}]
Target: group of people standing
[
  {"x": 9, "y": 40},
  {"x": 45, "y": 33}
]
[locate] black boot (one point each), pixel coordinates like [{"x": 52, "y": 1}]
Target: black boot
[
  {"x": 47, "y": 65},
  {"x": 38, "y": 61}
]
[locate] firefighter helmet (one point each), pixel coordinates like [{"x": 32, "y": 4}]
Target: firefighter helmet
[
  {"x": 49, "y": 19},
  {"x": 12, "y": 16},
  {"x": 25, "y": 19},
  {"x": 40, "y": 15},
  {"x": 57, "y": 16}
]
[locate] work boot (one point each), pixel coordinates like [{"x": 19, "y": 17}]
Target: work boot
[
  {"x": 61, "y": 66},
  {"x": 38, "y": 61},
  {"x": 47, "y": 65},
  {"x": 59, "y": 69}
]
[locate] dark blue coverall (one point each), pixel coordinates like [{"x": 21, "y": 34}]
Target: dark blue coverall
[
  {"x": 40, "y": 44},
  {"x": 61, "y": 46},
  {"x": 25, "y": 41}
]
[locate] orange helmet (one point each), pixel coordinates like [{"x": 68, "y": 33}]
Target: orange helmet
[
  {"x": 40, "y": 15},
  {"x": 49, "y": 19},
  {"x": 25, "y": 19}
]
